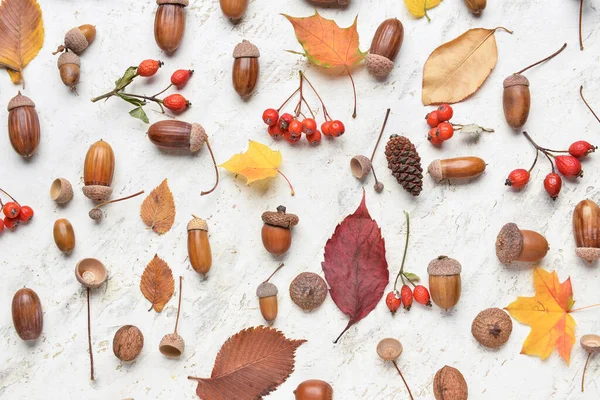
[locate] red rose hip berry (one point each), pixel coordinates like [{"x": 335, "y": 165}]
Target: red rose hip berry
[
  {"x": 181, "y": 77},
  {"x": 568, "y": 166},
  {"x": 421, "y": 295},
  {"x": 406, "y": 295},
  {"x": 270, "y": 116},
  {"x": 581, "y": 148},
  {"x": 393, "y": 301},
  {"x": 517, "y": 178},
  {"x": 148, "y": 67},
  {"x": 176, "y": 103},
  {"x": 553, "y": 184}
]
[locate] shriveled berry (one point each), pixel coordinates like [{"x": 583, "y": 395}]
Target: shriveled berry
[
  {"x": 445, "y": 112},
  {"x": 25, "y": 214},
  {"x": 148, "y": 67},
  {"x": 432, "y": 119},
  {"x": 285, "y": 120},
  {"x": 406, "y": 295},
  {"x": 309, "y": 126},
  {"x": 181, "y": 77},
  {"x": 315, "y": 138},
  {"x": 517, "y": 178},
  {"x": 568, "y": 166},
  {"x": 295, "y": 128},
  {"x": 581, "y": 148},
  {"x": 270, "y": 116},
  {"x": 176, "y": 103},
  {"x": 337, "y": 128},
  {"x": 445, "y": 130},
  {"x": 553, "y": 184},
  {"x": 393, "y": 301},
  {"x": 421, "y": 295},
  {"x": 275, "y": 131},
  {"x": 326, "y": 128},
  {"x": 11, "y": 209}
]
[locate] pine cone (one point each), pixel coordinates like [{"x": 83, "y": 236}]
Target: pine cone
[{"x": 405, "y": 163}]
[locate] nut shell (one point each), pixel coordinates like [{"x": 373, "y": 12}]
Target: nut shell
[
  {"x": 450, "y": 384},
  {"x": 61, "y": 191},
  {"x": 492, "y": 327},
  {"x": 280, "y": 218},
  {"x": 20, "y": 101},
  {"x": 91, "y": 273},
  {"x": 27, "y": 315},
  {"x": 389, "y": 349},
  {"x": 444, "y": 265},
  {"x": 171, "y": 345},
  {"x": 266, "y": 289},
  {"x": 68, "y": 58},
  {"x": 128, "y": 343},
  {"x": 308, "y": 290},
  {"x": 591, "y": 343},
  {"x": 515, "y": 80}
]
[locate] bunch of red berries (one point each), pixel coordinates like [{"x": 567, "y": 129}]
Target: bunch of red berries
[
  {"x": 442, "y": 129},
  {"x": 14, "y": 213},
  {"x": 568, "y": 166},
  {"x": 291, "y": 127}
]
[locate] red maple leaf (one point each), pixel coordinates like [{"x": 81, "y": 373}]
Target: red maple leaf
[{"x": 355, "y": 266}]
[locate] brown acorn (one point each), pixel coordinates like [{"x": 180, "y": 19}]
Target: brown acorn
[
  {"x": 267, "y": 299},
  {"x": 98, "y": 171},
  {"x": 68, "y": 65},
  {"x": 128, "y": 343},
  {"x": 385, "y": 47},
  {"x": 492, "y": 327},
  {"x": 64, "y": 236},
  {"x": 308, "y": 291},
  {"x": 513, "y": 244},
  {"x": 456, "y": 168},
  {"x": 444, "y": 281},
  {"x": 476, "y": 6},
  {"x": 78, "y": 39},
  {"x": 177, "y": 135},
  {"x": 586, "y": 229},
  {"x": 27, "y": 314},
  {"x": 245, "y": 68},
  {"x": 314, "y": 389},
  {"x": 169, "y": 24},
  {"x": 23, "y": 125},
  {"x": 199, "y": 246},
  {"x": 234, "y": 9},
  {"x": 450, "y": 384},
  {"x": 277, "y": 230}
]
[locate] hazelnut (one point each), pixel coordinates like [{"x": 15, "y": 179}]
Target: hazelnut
[
  {"x": 276, "y": 231},
  {"x": 128, "y": 343},
  {"x": 492, "y": 327},
  {"x": 513, "y": 244},
  {"x": 308, "y": 290},
  {"x": 314, "y": 389},
  {"x": 444, "y": 281},
  {"x": 586, "y": 229},
  {"x": 450, "y": 384}
]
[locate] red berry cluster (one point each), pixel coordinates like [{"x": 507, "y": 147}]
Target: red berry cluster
[
  {"x": 14, "y": 213},
  {"x": 439, "y": 122},
  {"x": 292, "y": 126},
  {"x": 174, "y": 102},
  {"x": 567, "y": 165}
]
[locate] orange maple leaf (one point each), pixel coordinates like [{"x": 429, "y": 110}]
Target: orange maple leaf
[{"x": 548, "y": 314}]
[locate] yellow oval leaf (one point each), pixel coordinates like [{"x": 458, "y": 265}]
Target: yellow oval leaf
[
  {"x": 418, "y": 8},
  {"x": 455, "y": 70}
]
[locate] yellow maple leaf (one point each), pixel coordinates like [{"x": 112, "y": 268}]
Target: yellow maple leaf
[
  {"x": 418, "y": 8},
  {"x": 548, "y": 314},
  {"x": 257, "y": 163}
]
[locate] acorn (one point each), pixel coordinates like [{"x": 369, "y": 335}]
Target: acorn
[
  {"x": 586, "y": 229},
  {"x": 61, "y": 191},
  {"x": 492, "y": 327},
  {"x": 385, "y": 47},
  {"x": 450, "y": 384},
  {"x": 198, "y": 245},
  {"x": 245, "y": 68},
  {"x": 267, "y": 297},
  {"x": 234, "y": 9},
  {"x": 98, "y": 171},
  {"x": 169, "y": 24},
  {"x": 64, "y": 236},
  {"x": 476, "y": 6},
  {"x": 78, "y": 39},
  {"x": 27, "y": 315},
  {"x": 513, "y": 244},
  {"x": 308, "y": 291},
  {"x": 277, "y": 230},
  {"x": 444, "y": 281},
  {"x": 68, "y": 65},
  {"x": 177, "y": 135},
  {"x": 23, "y": 125},
  {"x": 314, "y": 389},
  {"x": 128, "y": 343},
  {"x": 456, "y": 168}
]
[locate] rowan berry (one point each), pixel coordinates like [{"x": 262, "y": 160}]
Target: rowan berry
[
  {"x": 432, "y": 119},
  {"x": 290, "y": 138},
  {"x": 337, "y": 128},
  {"x": 315, "y": 138},
  {"x": 309, "y": 126},
  {"x": 11, "y": 209},
  {"x": 434, "y": 137},
  {"x": 275, "y": 131},
  {"x": 445, "y": 130},
  {"x": 295, "y": 128},
  {"x": 270, "y": 116},
  {"x": 445, "y": 112},
  {"x": 11, "y": 223},
  {"x": 284, "y": 121},
  {"x": 326, "y": 128},
  {"x": 25, "y": 214}
]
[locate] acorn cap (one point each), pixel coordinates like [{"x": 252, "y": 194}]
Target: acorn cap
[
  {"x": 308, "y": 290},
  {"x": 75, "y": 40},
  {"x": 360, "y": 166},
  {"x": 61, "y": 191},
  {"x": 171, "y": 345},
  {"x": 20, "y": 101},
  {"x": 197, "y": 224},
  {"x": 389, "y": 349},
  {"x": 516, "y": 80},
  {"x": 509, "y": 243},
  {"x": 97, "y": 192},
  {"x": 444, "y": 265},
  {"x": 492, "y": 327},
  {"x": 591, "y": 343},
  {"x": 91, "y": 273},
  {"x": 197, "y": 137},
  {"x": 266, "y": 289},
  {"x": 184, "y": 3},
  {"x": 280, "y": 218},
  {"x": 435, "y": 170},
  {"x": 245, "y": 49},
  {"x": 379, "y": 66},
  {"x": 68, "y": 57},
  {"x": 589, "y": 254}
]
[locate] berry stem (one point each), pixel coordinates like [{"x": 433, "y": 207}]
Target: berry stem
[
  {"x": 299, "y": 105},
  {"x": 121, "y": 199},
  {"x": 274, "y": 272},
  {"x": 544, "y": 60},
  {"x": 288, "y": 181},
  {"x": 537, "y": 153},
  {"x": 585, "y": 369},
  {"x": 288, "y": 99},
  {"x": 586, "y": 103},
  {"x": 544, "y": 151},
  {"x": 152, "y": 98},
  {"x": 401, "y": 272},
  {"x": 584, "y": 308},
  {"x": 404, "y": 380},
  {"x": 307, "y": 106},
  {"x": 580, "y": 35},
  {"x": 325, "y": 113},
  {"x": 374, "y": 175},
  {"x": 178, "y": 304},
  {"x": 164, "y": 90},
  {"x": 408, "y": 279},
  {"x": 90, "y": 336},
  {"x": 216, "y": 170},
  {"x": 114, "y": 91},
  {"x": 12, "y": 198}
]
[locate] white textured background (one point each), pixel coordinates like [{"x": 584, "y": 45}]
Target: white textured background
[{"x": 458, "y": 220}]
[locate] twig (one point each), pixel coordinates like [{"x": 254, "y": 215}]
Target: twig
[
  {"x": 90, "y": 336},
  {"x": 586, "y": 103},
  {"x": 179, "y": 304},
  {"x": 544, "y": 60},
  {"x": 216, "y": 170}
]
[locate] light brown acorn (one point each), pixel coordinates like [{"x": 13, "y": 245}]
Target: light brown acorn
[
  {"x": 23, "y": 125},
  {"x": 456, "y": 168},
  {"x": 245, "y": 68},
  {"x": 234, "y": 9},
  {"x": 98, "y": 171},
  {"x": 68, "y": 65},
  {"x": 277, "y": 230},
  {"x": 476, "y": 6},
  {"x": 169, "y": 24},
  {"x": 586, "y": 229},
  {"x": 27, "y": 315},
  {"x": 444, "y": 281},
  {"x": 267, "y": 297},
  {"x": 78, "y": 39},
  {"x": 385, "y": 47},
  {"x": 314, "y": 389},
  {"x": 199, "y": 246},
  {"x": 64, "y": 235},
  {"x": 514, "y": 244}
]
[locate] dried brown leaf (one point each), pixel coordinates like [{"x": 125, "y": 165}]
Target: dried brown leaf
[
  {"x": 251, "y": 364},
  {"x": 157, "y": 283},
  {"x": 158, "y": 209}
]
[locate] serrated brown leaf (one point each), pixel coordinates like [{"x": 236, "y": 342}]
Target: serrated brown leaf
[
  {"x": 157, "y": 283},
  {"x": 251, "y": 364},
  {"x": 158, "y": 209}
]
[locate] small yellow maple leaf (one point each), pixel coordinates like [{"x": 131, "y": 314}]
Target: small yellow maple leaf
[
  {"x": 548, "y": 314},
  {"x": 418, "y": 8},
  {"x": 257, "y": 163}
]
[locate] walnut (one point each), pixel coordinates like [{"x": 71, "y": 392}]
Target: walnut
[
  {"x": 449, "y": 384},
  {"x": 128, "y": 343}
]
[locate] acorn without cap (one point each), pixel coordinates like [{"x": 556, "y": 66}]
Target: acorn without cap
[
  {"x": 245, "y": 68},
  {"x": 308, "y": 291},
  {"x": 277, "y": 230},
  {"x": 267, "y": 299},
  {"x": 68, "y": 65},
  {"x": 314, "y": 389},
  {"x": 198, "y": 245},
  {"x": 516, "y": 100},
  {"x": 385, "y": 47},
  {"x": 23, "y": 125},
  {"x": 169, "y": 24},
  {"x": 513, "y": 244},
  {"x": 27, "y": 315},
  {"x": 128, "y": 343},
  {"x": 586, "y": 229},
  {"x": 492, "y": 327},
  {"x": 444, "y": 281},
  {"x": 64, "y": 235}
]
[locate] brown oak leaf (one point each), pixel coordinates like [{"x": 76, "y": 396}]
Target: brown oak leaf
[
  {"x": 157, "y": 283},
  {"x": 251, "y": 364},
  {"x": 158, "y": 209}
]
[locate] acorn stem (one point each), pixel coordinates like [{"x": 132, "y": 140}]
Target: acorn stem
[
  {"x": 401, "y": 272},
  {"x": 288, "y": 181},
  {"x": 387, "y": 114},
  {"x": 580, "y": 35},
  {"x": 121, "y": 199},
  {"x": 403, "y": 380},
  {"x": 179, "y": 304},
  {"x": 586, "y": 103},
  {"x": 544, "y": 60},
  {"x": 274, "y": 272},
  {"x": 216, "y": 170},
  {"x": 90, "y": 336},
  {"x": 585, "y": 369}
]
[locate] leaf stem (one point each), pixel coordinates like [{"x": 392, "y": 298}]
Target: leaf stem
[
  {"x": 179, "y": 304},
  {"x": 544, "y": 60},
  {"x": 350, "y": 323},
  {"x": 584, "y": 308},
  {"x": 90, "y": 336},
  {"x": 405, "y": 250},
  {"x": 216, "y": 170},
  {"x": 404, "y": 380},
  {"x": 274, "y": 272},
  {"x": 585, "y": 369},
  {"x": 288, "y": 181},
  {"x": 353, "y": 89},
  {"x": 580, "y": 35},
  {"x": 586, "y": 103}
]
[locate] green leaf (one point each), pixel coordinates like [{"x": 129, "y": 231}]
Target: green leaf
[
  {"x": 126, "y": 79},
  {"x": 140, "y": 114},
  {"x": 132, "y": 100},
  {"x": 412, "y": 277}
]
